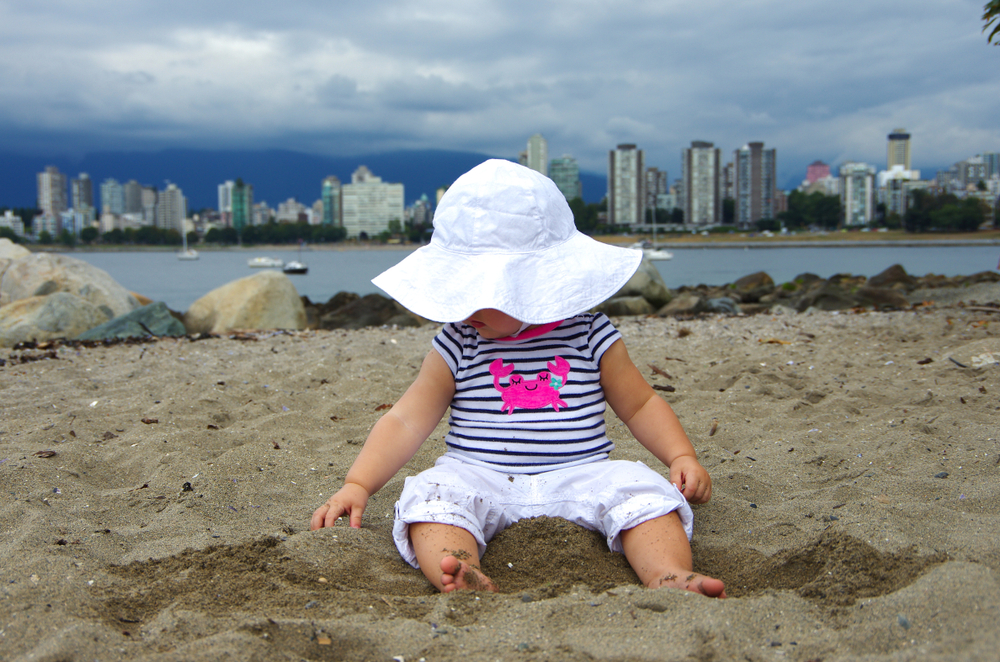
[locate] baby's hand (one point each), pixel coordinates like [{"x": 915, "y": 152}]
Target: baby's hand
[
  {"x": 691, "y": 479},
  {"x": 349, "y": 500}
]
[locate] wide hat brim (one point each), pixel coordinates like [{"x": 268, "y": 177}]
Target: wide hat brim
[{"x": 536, "y": 287}]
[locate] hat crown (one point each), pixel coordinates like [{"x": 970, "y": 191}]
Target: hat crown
[{"x": 502, "y": 207}]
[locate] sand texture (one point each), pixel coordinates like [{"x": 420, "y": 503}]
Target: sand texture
[{"x": 156, "y": 499}]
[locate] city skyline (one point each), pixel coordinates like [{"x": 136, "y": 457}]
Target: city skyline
[{"x": 825, "y": 85}]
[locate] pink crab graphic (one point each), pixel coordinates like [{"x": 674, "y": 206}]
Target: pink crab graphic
[{"x": 535, "y": 394}]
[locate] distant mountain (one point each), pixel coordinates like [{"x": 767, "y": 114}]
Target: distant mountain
[{"x": 276, "y": 175}]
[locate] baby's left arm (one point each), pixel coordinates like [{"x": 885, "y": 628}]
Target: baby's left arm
[{"x": 653, "y": 422}]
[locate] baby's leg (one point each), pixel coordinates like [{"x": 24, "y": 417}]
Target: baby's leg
[
  {"x": 449, "y": 557},
  {"x": 659, "y": 552}
]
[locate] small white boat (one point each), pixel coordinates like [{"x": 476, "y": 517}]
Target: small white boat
[
  {"x": 657, "y": 254},
  {"x": 652, "y": 253},
  {"x": 295, "y": 267},
  {"x": 265, "y": 263}
]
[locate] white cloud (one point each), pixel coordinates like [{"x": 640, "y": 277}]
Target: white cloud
[{"x": 812, "y": 80}]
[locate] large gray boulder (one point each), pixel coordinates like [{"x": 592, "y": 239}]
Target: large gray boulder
[
  {"x": 57, "y": 315},
  {"x": 40, "y": 274},
  {"x": 754, "y": 286},
  {"x": 647, "y": 283},
  {"x": 369, "y": 310},
  {"x": 266, "y": 300},
  {"x": 152, "y": 320},
  {"x": 623, "y": 306},
  {"x": 9, "y": 251}
]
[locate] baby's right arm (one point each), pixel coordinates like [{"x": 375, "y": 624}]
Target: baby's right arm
[{"x": 392, "y": 442}]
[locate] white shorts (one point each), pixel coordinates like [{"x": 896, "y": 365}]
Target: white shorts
[{"x": 607, "y": 496}]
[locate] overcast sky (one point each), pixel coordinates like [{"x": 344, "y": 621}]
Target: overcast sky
[{"x": 815, "y": 80}]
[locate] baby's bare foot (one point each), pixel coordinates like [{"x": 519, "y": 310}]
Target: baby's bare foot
[
  {"x": 690, "y": 581},
  {"x": 458, "y": 574}
]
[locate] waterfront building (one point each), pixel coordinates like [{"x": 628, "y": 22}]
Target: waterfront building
[
  {"x": 44, "y": 223},
  {"x": 132, "y": 190},
  {"x": 241, "y": 205},
  {"x": 538, "y": 154},
  {"x": 13, "y": 222},
  {"x": 421, "y": 213},
  {"x": 292, "y": 211},
  {"x": 171, "y": 209},
  {"x": 816, "y": 171},
  {"x": 895, "y": 186},
  {"x": 898, "y": 150},
  {"x": 857, "y": 193},
  {"x": 332, "y": 204},
  {"x": 226, "y": 203},
  {"x": 82, "y": 195},
  {"x": 52, "y": 191},
  {"x": 261, "y": 213},
  {"x": 992, "y": 161},
  {"x": 316, "y": 212},
  {"x": 369, "y": 204},
  {"x": 728, "y": 182},
  {"x": 755, "y": 175},
  {"x": 626, "y": 186},
  {"x": 968, "y": 173},
  {"x": 112, "y": 197},
  {"x": 149, "y": 199},
  {"x": 565, "y": 172},
  {"x": 701, "y": 166},
  {"x": 656, "y": 186}
]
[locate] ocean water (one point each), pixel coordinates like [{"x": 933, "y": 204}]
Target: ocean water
[{"x": 162, "y": 277}]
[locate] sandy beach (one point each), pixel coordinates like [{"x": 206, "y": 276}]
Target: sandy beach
[{"x": 157, "y": 497}]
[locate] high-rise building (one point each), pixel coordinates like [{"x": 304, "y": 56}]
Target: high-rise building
[
  {"x": 817, "y": 170},
  {"x": 755, "y": 174},
  {"x": 701, "y": 166},
  {"x": 332, "y": 205},
  {"x": 82, "y": 196},
  {"x": 656, "y": 185},
  {"x": 857, "y": 193},
  {"x": 226, "y": 203},
  {"x": 898, "y": 151},
  {"x": 149, "y": 198},
  {"x": 992, "y": 161},
  {"x": 565, "y": 172},
  {"x": 112, "y": 197},
  {"x": 171, "y": 209},
  {"x": 241, "y": 204},
  {"x": 728, "y": 181},
  {"x": 133, "y": 197},
  {"x": 538, "y": 154},
  {"x": 369, "y": 204},
  {"x": 626, "y": 186},
  {"x": 895, "y": 186},
  {"x": 52, "y": 191}
]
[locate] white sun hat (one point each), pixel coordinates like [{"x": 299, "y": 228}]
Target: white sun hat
[{"x": 504, "y": 238}]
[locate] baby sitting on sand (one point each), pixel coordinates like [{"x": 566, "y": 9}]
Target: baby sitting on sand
[{"x": 526, "y": 372}]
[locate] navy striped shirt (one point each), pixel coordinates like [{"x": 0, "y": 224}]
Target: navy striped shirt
[{"x": 532, "y": 403}]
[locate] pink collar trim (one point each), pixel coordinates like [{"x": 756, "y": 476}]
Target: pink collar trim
[{"x": 533, "y": 333}]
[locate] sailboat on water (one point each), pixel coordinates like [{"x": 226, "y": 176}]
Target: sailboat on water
[
  {"x": 650, "y": 251},
  {"x": 187, "y": 253}
]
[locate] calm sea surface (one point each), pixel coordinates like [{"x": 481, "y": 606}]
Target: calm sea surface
[{"x": 162, "y": 277}]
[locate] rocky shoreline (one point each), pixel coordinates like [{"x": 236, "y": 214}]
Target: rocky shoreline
[{"x": 44, "y": 296}]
